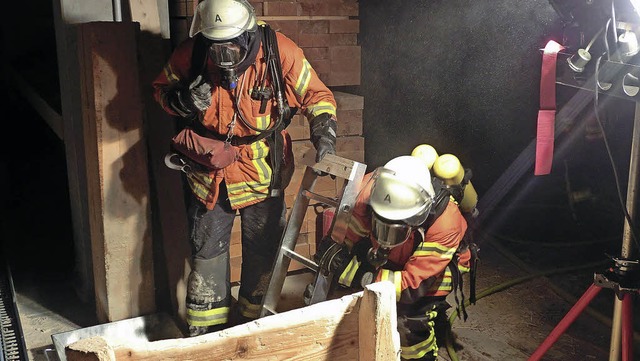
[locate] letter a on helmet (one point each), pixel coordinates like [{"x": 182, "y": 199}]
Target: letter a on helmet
[
  {"x": 220, "y": 20},
  {"x": 403, "y": 191}
]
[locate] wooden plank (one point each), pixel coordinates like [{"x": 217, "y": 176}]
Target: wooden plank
[
  {"x": 117, "y": 175},
  {"x": 378, "y": 316},
  {"x": 329, "y": 330}
]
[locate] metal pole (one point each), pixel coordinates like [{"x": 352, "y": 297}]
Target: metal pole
[
  {"x": 117, "y": 10},
  {"x": 632, "y": 189}
]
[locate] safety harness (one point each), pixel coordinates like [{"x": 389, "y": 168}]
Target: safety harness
[{"x": 444, "y": 193}]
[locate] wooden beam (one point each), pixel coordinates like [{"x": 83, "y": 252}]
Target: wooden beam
[
  {"x": 380, "y": 341},
  {"x": 46, "y": 111},
  {"x": 330, "y": 330},
  {"x": 117, "y": 172}
]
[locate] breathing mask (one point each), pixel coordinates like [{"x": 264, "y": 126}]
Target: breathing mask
[{"x": 228, "y": 56}]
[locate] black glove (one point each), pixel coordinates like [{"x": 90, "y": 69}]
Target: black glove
[
  {"x": 331, "y": 256},
  {"x": 323, "y": 135},
  {"x": 189, "y": 101}
]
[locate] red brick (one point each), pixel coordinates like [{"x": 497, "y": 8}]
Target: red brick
[
  {"x": 321, "y": 66},
  {"x": 280, "y": 8},
  {"x": 344, "y": 26},
  {"x": 343, "y": 39},
  {"x": 349, "y": 122},
  {"x": 344, "y": 8},
  {"x": 314, "y": 7},
  {"x": 259, "y": 8},
  {"x": 316, "y": 53},
  {"x": 344, "y": 53},
  {"x": 347, "y": 101},
  {"x": 287, "y": 27},
  {"x": 348, "y": 77},
  {"x": 314, "y": 26},
  {"x": 314, "y": 40}
]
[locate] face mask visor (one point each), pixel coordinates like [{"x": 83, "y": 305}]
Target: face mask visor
[
  {"x": 227, "y": 55},
  {"x": 389, "y": 233}
]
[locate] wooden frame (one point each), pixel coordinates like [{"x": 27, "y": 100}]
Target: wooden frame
[{"x": 361, "y": 326}]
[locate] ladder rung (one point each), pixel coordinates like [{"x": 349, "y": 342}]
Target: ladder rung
[
  {"x": 326, "y": 200},
  {"x": 297, "y": 257}
]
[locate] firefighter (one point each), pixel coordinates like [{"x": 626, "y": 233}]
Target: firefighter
[
  {"x": 239, "y": 81},
  {"x": 406, "y": 231}
]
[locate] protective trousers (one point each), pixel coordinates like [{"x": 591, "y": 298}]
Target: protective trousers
[
  {"x": 419, "y": 326},
  {"x": 209, "y": 286}
]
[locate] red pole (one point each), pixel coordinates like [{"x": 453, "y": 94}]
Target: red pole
[{"x": 568, "y": 319}]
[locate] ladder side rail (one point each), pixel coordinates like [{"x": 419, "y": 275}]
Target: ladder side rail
[
  {"x": 350, "y": 189},
  {"x": 288, "y": 241}
]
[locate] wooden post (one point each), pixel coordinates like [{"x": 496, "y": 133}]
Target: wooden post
[{"x": 117, "y": 175}]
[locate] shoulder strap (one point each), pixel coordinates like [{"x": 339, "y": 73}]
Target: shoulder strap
[
  {"x": 441, "y": 200},
  {"x": 198, "y": 57}
]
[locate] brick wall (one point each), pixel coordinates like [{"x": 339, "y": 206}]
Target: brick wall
[{"x": 327, "y": 32}]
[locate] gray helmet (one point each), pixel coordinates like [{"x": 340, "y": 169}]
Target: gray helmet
[{"x": 220, "y": 20}]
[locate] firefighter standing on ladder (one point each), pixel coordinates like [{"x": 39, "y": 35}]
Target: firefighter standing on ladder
[
  {"x": 235, "y": 79},
  {"x": 404, "y": 231}
]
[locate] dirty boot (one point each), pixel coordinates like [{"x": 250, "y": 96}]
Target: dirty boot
[{"x": 198, "y": 330}]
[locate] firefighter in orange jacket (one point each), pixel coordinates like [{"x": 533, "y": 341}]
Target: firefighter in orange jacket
[
  {"x": 404, "y": 232},
  {"x": 238, "y": 81}
]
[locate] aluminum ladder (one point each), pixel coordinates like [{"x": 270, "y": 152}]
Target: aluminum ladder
[{"x": 352, "y": 172}]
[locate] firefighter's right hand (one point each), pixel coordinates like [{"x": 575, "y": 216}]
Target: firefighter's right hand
[
  {"x": 188, "y": 101},
  {"x": 200, "y": 93}
]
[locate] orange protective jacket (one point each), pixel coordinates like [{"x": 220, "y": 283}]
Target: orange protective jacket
[
  {"x": 418, "y": 267},
  {"x": 248, "y": 178}
]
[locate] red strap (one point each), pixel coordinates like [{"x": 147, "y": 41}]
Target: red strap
[{"x": 547, "y": 113}]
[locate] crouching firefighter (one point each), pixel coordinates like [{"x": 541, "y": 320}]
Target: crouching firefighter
[
  {"x": 236, "y": 83},
  {"x": 406, "y": 228}
]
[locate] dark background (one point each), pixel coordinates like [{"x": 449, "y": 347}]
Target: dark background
[{"x": 460, "y": 75}]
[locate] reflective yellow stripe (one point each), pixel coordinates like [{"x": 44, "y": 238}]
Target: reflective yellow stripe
[
  {"x": 397, "y": 281},
  {"x": 248, "y": 309},
  {"x": 386, "y": 275},
  {"x": 211, "y": 317},
  {"x": 200, "y": 183},
  {"x": 263, "y": 122},
  {"x": 321, "y": 108},
  {"x": 303, "y": 79},
  {"x": 464, "y": 269},
  {"x": 434, "y": 249},
  {"x": 170, "y": 74},
  {"x": 239, "y": 201},
  {"x": 357, "y": 227},
  {"x": 260, "y": 152},
  {"x": 395, "y": 277},
  {"x": 444, "y": 283},
  {"x": 346, "y": 278},
  {"x": 420, "y": 349}
]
